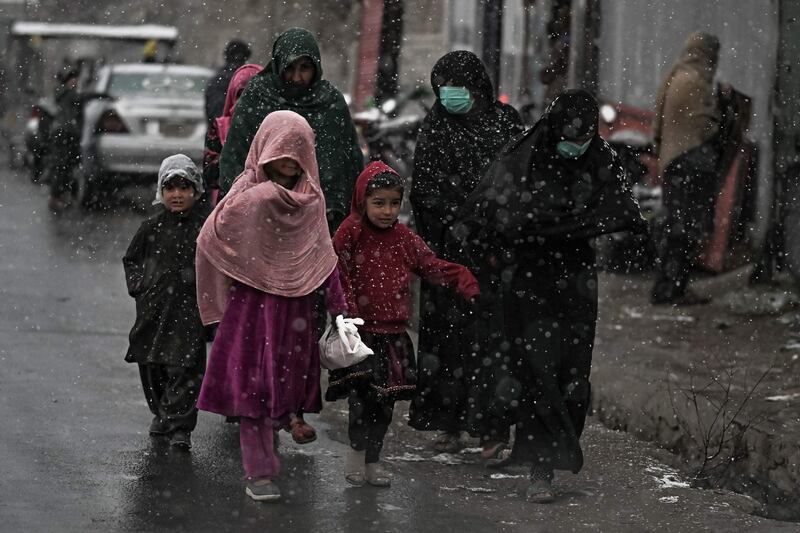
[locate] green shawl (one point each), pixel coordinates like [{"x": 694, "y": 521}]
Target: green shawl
[{"x": 321, "y": 104}]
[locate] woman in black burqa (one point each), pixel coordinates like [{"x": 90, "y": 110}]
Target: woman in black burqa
[
  {"x": 460, "y": 137},
  {"x": 530, "y": 222}
]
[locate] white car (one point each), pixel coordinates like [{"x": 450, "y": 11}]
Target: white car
[{"x": 143, "y": 113}]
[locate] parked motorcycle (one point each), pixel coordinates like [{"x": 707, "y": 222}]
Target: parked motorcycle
[{"x": 389, "y": 133}]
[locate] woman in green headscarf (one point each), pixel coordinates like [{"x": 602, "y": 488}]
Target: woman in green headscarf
[{"x": 293, "y": 81}]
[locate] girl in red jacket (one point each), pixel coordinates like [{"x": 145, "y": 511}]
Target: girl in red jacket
[{"x": 377, "y": 257}]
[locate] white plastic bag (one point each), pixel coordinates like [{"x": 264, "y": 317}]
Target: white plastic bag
[{"x": 341, "y": 346}]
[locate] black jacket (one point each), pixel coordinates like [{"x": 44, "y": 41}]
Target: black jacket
[{"x": 160, "y": 273}]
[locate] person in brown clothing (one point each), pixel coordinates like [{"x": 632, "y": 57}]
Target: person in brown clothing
[{"x": 685, "y": 139}]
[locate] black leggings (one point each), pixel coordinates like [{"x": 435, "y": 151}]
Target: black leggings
[
  {"x": 689, "y": 187},
  {"x": 369, "y": 422}
]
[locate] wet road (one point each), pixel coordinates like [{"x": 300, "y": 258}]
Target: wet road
[{"x": 75, "y": 454}]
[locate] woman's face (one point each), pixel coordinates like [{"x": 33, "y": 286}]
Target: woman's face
[{"x": 300, "y": 72}]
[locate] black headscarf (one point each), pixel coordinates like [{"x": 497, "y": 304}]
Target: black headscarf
[
  {"x": 532, "y": 192},
  {"x": 463, "y": 69},
  {"x": 453, "y": 151}
]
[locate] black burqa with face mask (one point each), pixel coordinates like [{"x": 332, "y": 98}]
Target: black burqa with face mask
[
  {"x": 528, "y": 226},
  {"x": 451, "y": 155}
]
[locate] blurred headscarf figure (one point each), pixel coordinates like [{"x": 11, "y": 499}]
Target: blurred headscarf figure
[
  {"x": 236, "y": 53},
  {"x": 529, "y": 224},
  {"x": 217, "y": 131},
  {"x": 464, "y": 130}
]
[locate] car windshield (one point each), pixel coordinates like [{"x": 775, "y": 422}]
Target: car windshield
[{"x": 156, "y": 84}]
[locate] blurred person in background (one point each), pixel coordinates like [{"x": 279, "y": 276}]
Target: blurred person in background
[
  {"x": 236, "y": 53},
  {"x": 217, "y": 132},
  {"x": 685, "y": 138},
  {"x": 65, "y": 153}
]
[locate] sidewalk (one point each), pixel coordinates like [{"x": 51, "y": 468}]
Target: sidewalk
[{"x": 681, "y": 377}]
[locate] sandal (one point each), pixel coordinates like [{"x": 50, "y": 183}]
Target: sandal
[
  {"x": 540, "y": 491},
  {"x": 501, "y": 459},
  {"x": 302, "y": 432},
  {"x": 491, "y": 450},
  {"x": 448, "y": 443}
]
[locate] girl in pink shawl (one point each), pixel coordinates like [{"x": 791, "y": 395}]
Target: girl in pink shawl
[
  {"x": 218, "y": 130},
  {"x": 262, "y": 255}
]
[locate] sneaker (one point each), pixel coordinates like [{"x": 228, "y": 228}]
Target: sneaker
[
  {"x": 540, "y": 491},
  {"x": 377, "y": 476},
  {"x": 263, "y": 490},
  {"x": 181, "y": 439},
  {"x": 354, "y": 469}
]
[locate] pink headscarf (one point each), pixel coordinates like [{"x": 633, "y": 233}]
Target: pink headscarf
[
  {"x": 235, "y": 90},
  {"x": 262, "y": 234}
]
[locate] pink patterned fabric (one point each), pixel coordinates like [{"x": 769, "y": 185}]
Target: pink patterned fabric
[
  {"x": 264, "y": 235},
  {"x": 235, "y": 89}
]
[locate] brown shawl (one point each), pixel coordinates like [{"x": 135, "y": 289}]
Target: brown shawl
[{"x": 687, "y": 113}]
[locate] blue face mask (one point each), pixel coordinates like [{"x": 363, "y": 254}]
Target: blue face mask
[
  {"x": 456, "y": 100},
  {"x": 571, "y": 150}
]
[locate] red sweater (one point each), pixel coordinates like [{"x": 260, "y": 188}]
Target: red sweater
[{"x": 376, "y": 266}]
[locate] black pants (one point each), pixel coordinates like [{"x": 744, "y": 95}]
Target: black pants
[
  {"x": 171, "y": 393},
  {"x": 64, "y": 157},
  {"x": 369, "y": 422},
  {"x": 690, "y": 183}
]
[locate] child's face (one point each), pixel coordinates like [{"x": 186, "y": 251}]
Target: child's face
[
  {"x": 284, "y": 171},
  {"x": 179, "y": 195},
  {"x": 383, "y": 207}
]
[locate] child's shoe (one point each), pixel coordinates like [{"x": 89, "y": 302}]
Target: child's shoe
[
  {"x": 354, "y": 469},
  {"x": 263, "y": 490},
  {"x": 181, "y": 439},
  {"x": 377, "y": 476}
]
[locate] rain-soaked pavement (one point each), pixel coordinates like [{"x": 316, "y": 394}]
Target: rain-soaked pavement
[{"x": 75, "y": 454}]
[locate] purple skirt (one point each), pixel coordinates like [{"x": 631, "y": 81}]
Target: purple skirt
[{"x": 265, "y": 358}]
